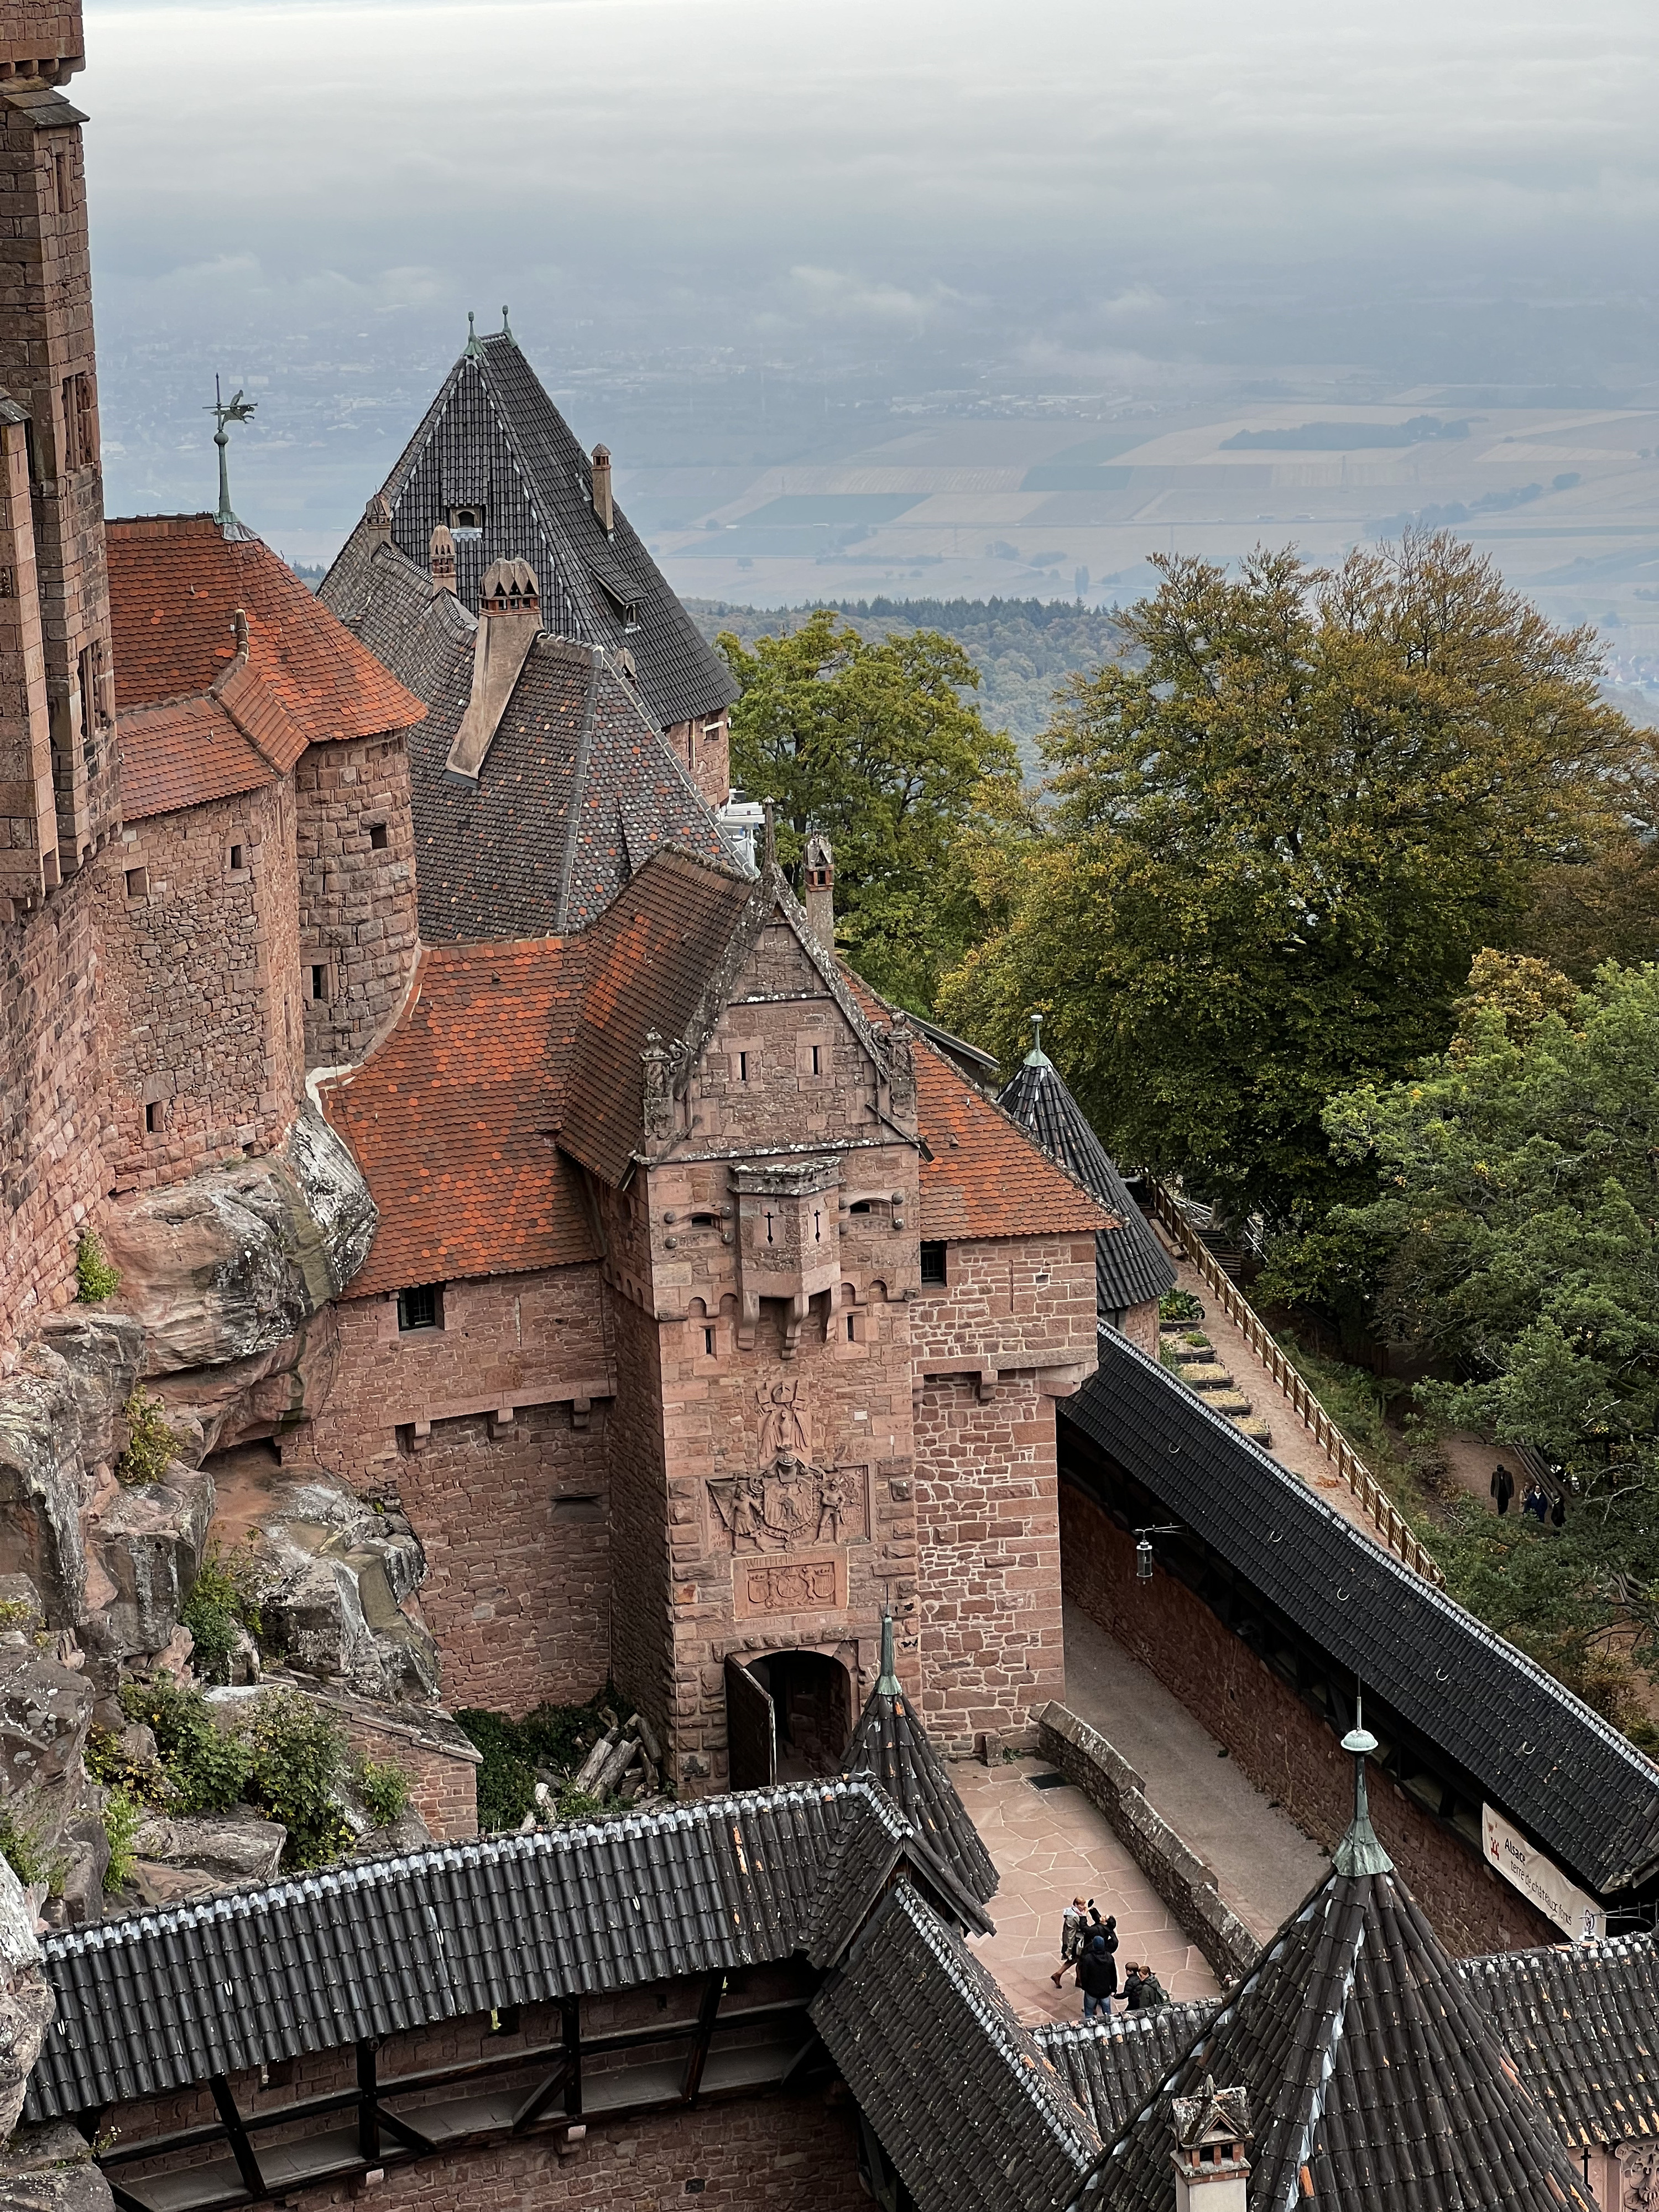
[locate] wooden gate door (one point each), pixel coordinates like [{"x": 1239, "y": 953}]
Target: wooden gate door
[{"x": 751, "y": 1731}]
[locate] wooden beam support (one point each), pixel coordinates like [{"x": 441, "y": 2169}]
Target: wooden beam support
[
  {"x": 713, "y": 1989},
  {"x": 369, "y": 2118},
  {"x": 241, "y": 2150},
  {"x": 538, "y": 2100}
]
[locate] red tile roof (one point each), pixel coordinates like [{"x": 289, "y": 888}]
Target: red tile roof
[
  {"x": 178, "y": 755},
  {"x": 176, "y": 580},
  {"x": 987, "y": 1178},
  {"x": 451, "y": 1120}
]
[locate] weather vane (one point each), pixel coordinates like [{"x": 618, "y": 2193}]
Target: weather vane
[{"x": 225, "y": 410}]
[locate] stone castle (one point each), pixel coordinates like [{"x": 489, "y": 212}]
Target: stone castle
[{"x": 475, "y": 1116}]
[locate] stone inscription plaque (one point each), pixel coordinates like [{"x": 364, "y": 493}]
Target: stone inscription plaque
[{"x": 800, "y": 1583}]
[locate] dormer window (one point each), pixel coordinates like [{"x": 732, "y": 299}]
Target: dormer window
[{"x": 467, "y": 522}]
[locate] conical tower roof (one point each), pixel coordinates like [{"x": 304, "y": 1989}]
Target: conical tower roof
[
  {"x": 1372, "y": 2073},
  {"x": 1131, "y": 1265},
  {"x": 890, "y": 1743}
]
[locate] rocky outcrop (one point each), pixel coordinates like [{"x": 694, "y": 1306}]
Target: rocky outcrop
[
  {"x": 60, "y": 1431},
  {"x": 145, "y": 1541},
  {"x": 221, "y": 1847},
  {"x": 232, "y": 1263},
  {"x": 51, "y": 2169},
  {"x": 25, "y": 2006}
]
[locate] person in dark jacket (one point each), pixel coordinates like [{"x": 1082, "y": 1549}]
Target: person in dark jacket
[
  {"x": 1503, "y": 1487},
  {"x": 1559, "y": 1512},
  {"x": 1097, "y": 1977}
]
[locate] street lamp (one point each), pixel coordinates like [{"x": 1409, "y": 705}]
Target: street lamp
[{"x": 1144, "y": 1547}]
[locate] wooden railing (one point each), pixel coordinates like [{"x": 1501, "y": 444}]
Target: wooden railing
[{"x": 1390, "y": 1522}]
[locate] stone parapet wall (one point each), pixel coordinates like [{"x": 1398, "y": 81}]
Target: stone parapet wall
[
  {"x": 358, "y": 923},
  {"x": 1019, "y": 1302},
  {"x": 988, "y": 1558},
  {"x": 1286, "y": 1750},
  {"x": 1180, "y": 1877}
]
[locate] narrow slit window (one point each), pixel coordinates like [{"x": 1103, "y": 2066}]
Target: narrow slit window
[
  {"x": 152, "y": 1117},
  {"x": 709, "y": 1342},
  {"x": 235, "y": 859},
  {"x": 816, "y": 1069},
  {"x": 742, "y": 1067},
  {"x": 851, "y": 1332},
  {"x": 319, "y": 982}
]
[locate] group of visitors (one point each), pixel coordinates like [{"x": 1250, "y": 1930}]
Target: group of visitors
[
  {"x": 1088, "y": 1948},
  {"x": 1547, "y": 1512}
]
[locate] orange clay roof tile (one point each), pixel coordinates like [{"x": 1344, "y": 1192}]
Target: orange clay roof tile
[
  {"x": 452, "y": 1120},
  {"x": 178, "y": 755},
  {"x": 175, "y": 582}
]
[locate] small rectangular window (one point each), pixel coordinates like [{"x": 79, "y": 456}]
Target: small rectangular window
[
  {"x": 852, "y": 1333},
  {"x": 419, "y": 1308},
  {"x": 319, "y": 982},
  {"x": 235, "y": 859},
  {"x": 137, "y": 882},
  {"x": 379, "y": 837},
  {"x": 709, "y": 1342},
  {"x": 742, "y": 1067},
  {"x": 816, "y": 1069},
  {"x": 152, "y": 1117},
  {"x": 933, "y": 1263}
]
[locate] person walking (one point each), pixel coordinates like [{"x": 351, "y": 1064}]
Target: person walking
[
  {"x": 1559, "y": 1512},
  {"x": 1097, "y": 1977},
  {"x": 1074, "y": 1921},
  {"x": 1535, "y": 1504},
  {"x": 1503, "y": 1487}
]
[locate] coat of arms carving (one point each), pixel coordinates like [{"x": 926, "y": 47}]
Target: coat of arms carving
[{"x": 790, "y": 1500}]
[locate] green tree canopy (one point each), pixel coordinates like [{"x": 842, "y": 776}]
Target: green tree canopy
[
  {"x": 1514, "y": 1239},
  {"x": 1284, "y": 822},
  {"x": 875, "y": 745}
]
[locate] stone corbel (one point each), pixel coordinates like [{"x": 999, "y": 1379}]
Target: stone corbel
[
  {"x": 748, "y": 1320},
  {"x": 792, "y": 1323}
]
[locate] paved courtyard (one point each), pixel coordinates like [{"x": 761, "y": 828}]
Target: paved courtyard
[{"x": 1049, "y": 1845}]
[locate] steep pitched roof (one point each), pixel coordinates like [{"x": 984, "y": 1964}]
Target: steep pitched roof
[
  {"x": 985, "y": 1178},
  {"x": 1374, "y": 2080},
  {"x": 1582, "y": 2024},
  {"x": 175, "y": 583},
  {"x": 576, "y": 791},
  {"x": 1581, "y": 1789},
  {"x": 388, "y": 603},
  {"x": 1110, "y": 2065},
  {"x": 158, "y": 2000},
  {"x": 869, "y": 1856},
  {"x": 451, "y": 1120},
  {"x": 891, "y": 1744},
  {"x": 959, "y": 2094},
  {"x": 1131, "y": 1267},
  {"x": 182, "y": 754},
  {"x": 492, "y": 438}
]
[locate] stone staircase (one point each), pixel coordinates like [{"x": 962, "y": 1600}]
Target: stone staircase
[{"x": 1184, "y": 1348}]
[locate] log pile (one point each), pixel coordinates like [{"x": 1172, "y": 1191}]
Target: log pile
[{"x": 623, "y": 1768}]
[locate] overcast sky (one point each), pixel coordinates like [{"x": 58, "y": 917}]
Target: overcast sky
[{"x": 1072, "y": 185}]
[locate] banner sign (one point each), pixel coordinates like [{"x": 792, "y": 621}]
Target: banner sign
[{"x": 1539, "y": 1880}]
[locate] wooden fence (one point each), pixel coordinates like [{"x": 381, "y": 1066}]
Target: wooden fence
[{"x": 1390, "y": 1521}]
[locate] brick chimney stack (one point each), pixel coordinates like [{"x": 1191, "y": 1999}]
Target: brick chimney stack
[
  {"x": 1210, "y": 2161},
  {"x": 819, "y": 878},
  {"x": 378, "y": 516},
  {"x": 509, "y": 622},
  {"x": 440, "y": 558},
  {"x": 602, "y": 505}
]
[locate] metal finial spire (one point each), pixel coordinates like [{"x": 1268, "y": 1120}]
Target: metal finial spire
[
  {"x": 887, "y": 1685},
  {"x": 223, "y": 410},
  {"x": 1037, "y": 1057},
  {"x": 507, "y": 327},
  {"x": 1360, "y": 1850},
  {"x": 474, "y": 350}
]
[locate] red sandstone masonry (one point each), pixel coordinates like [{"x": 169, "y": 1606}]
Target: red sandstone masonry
[
  {"x": 358, "y": 916},
  {"x": 1283, "y": 1748}
]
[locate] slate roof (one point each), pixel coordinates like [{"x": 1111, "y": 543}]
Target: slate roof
[
  {"x": 451, "y": 1120},
  {"x": 891, "y": 1744},
  {"x": 1582, "y": 2024},
  {"x": 1111, "y": 2067},
  {"x": 175, "y": 582},
  {"x": 157, "y": 2000},
  {"x": 1374, "y": 2079},
  {"x": 1131, "y": 1267},
  {"x": 870, "y": 1854},
  {"x": 388, "y": 605},
  {"x": 1582, "y": 1790},
  {"x": 962, "y": 2097},
  {"x": 182, "y": 754},
  {"x": 575, "y": 792},
  {"x": 492, "y": 436}
]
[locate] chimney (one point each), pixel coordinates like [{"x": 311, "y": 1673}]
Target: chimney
[
  {"x": 819, "y": 878},
  {"x": 378, "y": 516},
  {"x": 509, "y": 622},
  {"x": 440, "y": 559},
  {"x": 1211, "y": 2131},
  {"x": 602, "y": 505}
]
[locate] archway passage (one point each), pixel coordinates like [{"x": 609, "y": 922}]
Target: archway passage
[{"x": 812, "y": 1717}]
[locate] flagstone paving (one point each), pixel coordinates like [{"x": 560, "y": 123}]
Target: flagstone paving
[{"x": 1050, "y": 1845}]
